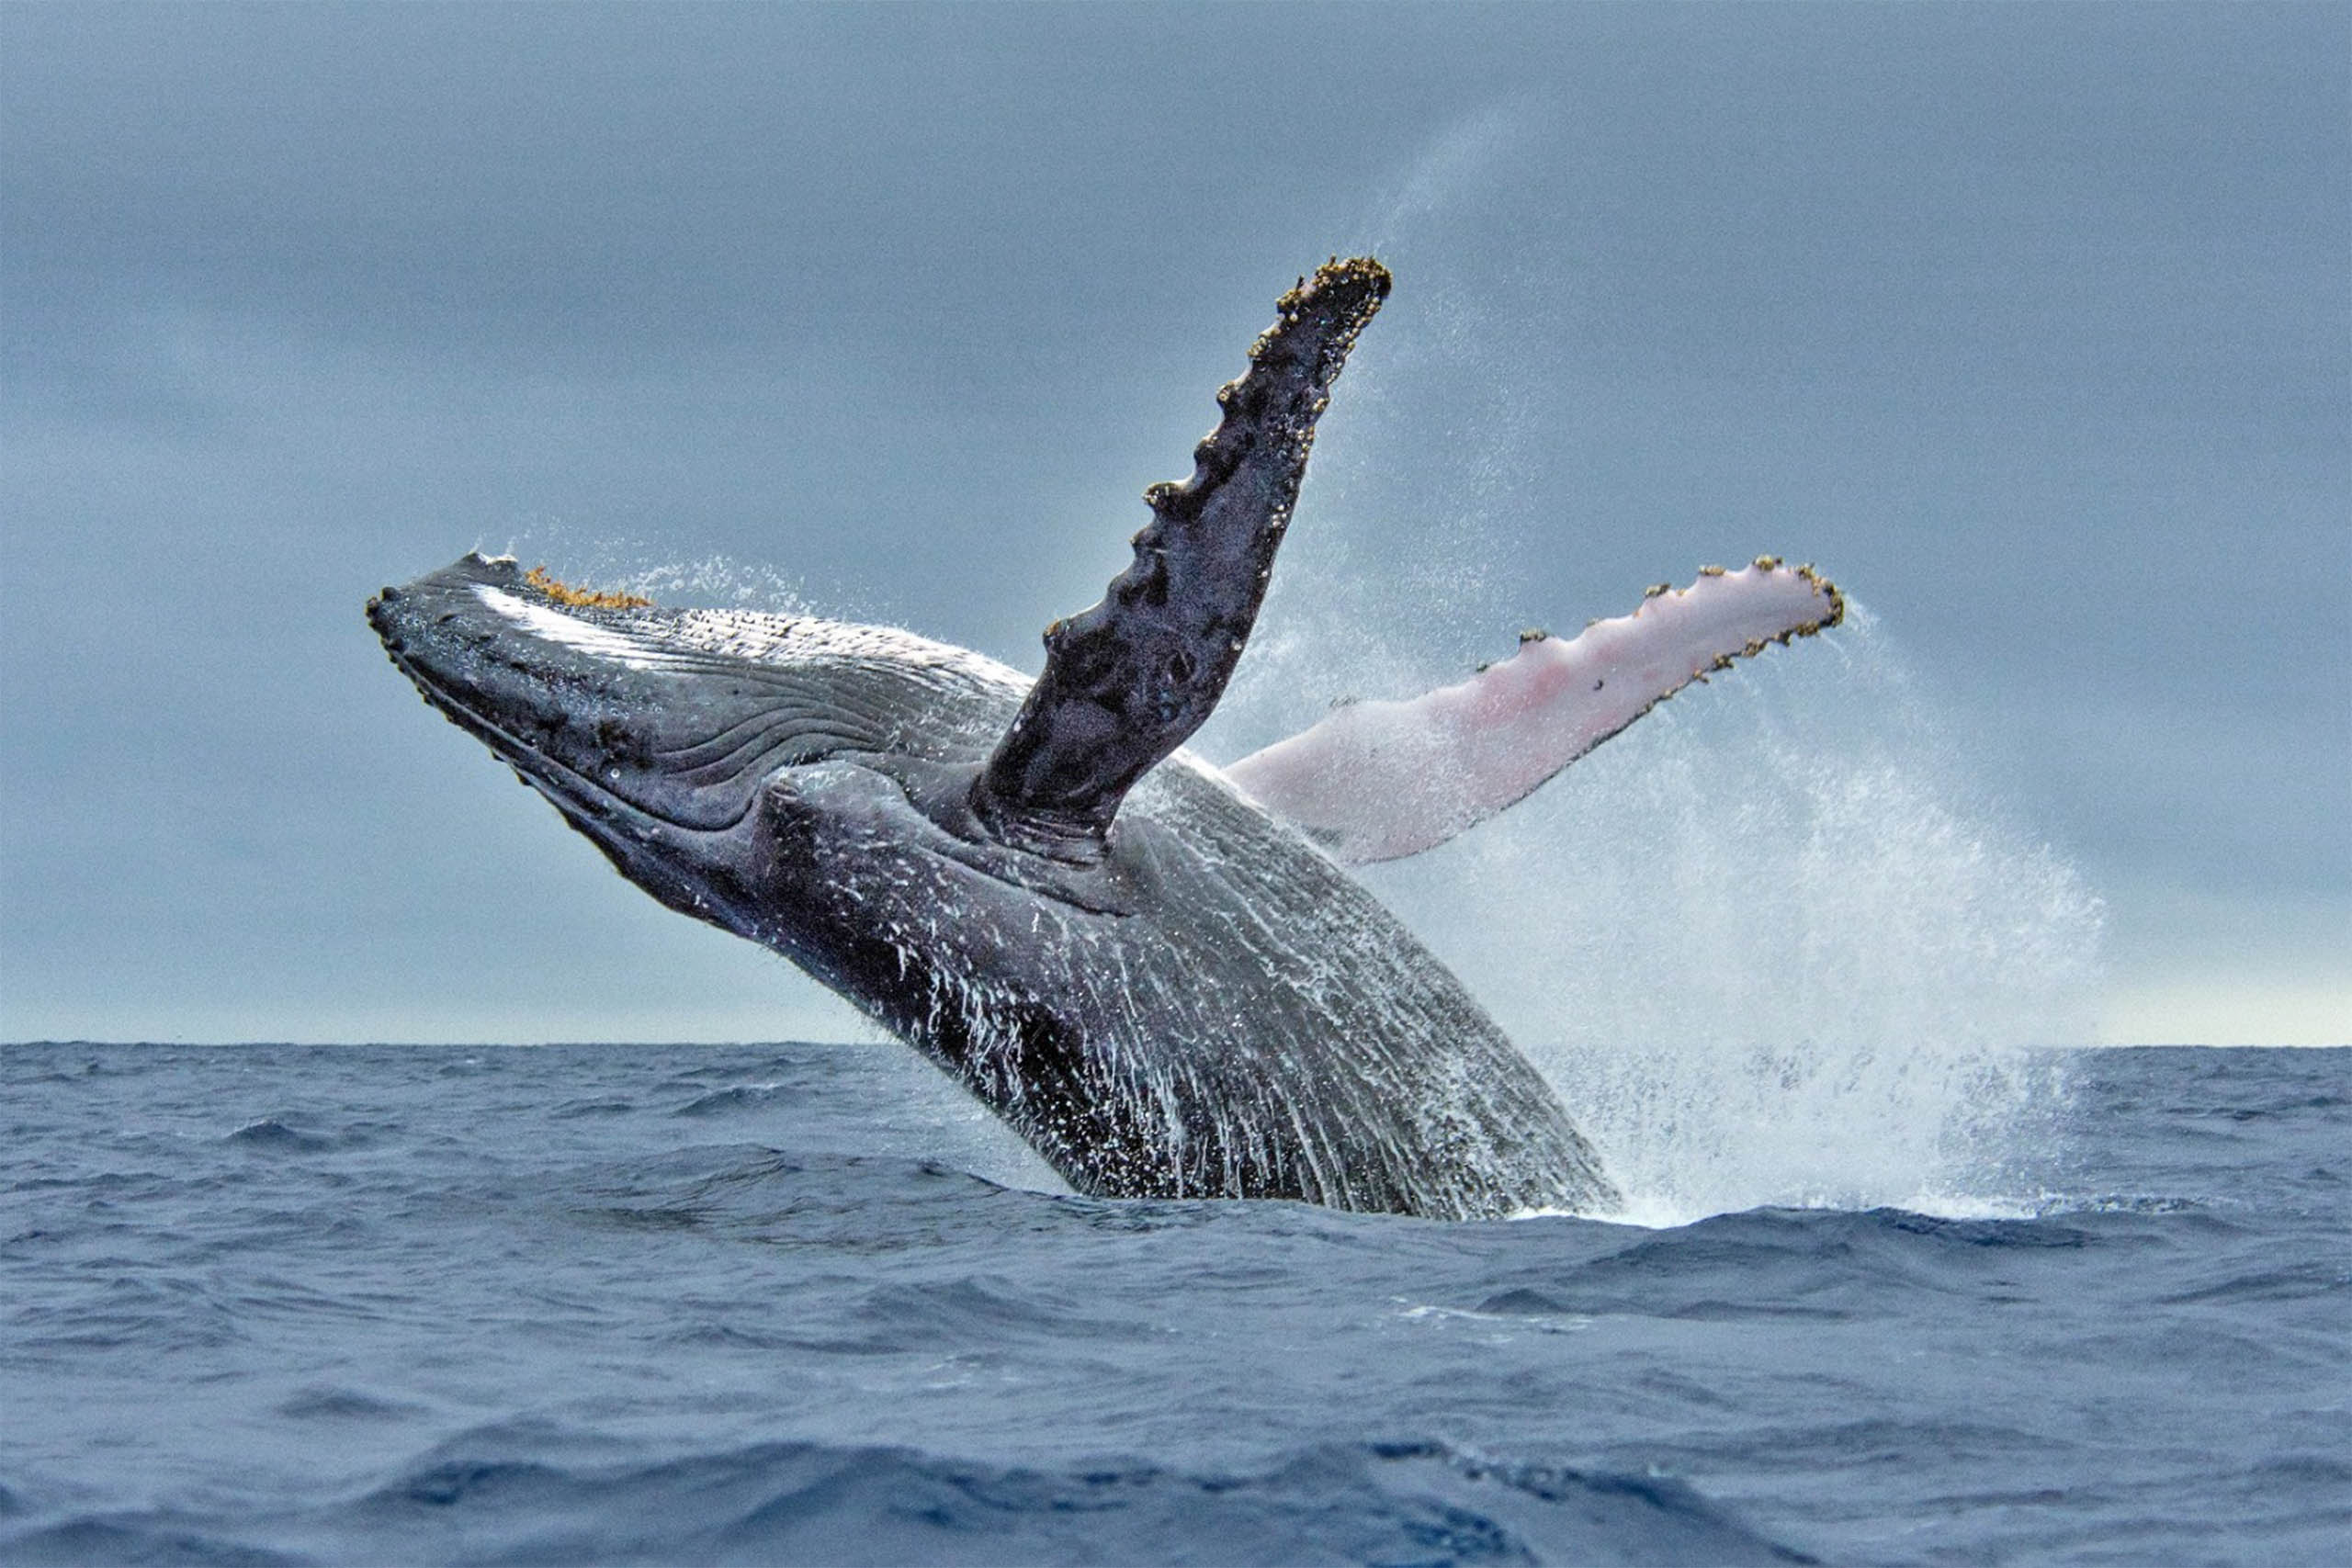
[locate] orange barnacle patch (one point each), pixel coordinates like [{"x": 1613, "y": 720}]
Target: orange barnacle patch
[{"x": 581, "y": 598}]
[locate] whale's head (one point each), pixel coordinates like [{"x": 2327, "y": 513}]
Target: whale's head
[{"x": 711, "y": 755}]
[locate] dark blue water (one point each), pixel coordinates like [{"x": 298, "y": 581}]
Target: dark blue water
[{"x": 752, "y": 1304}]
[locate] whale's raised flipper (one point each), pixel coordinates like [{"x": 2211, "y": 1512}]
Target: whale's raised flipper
[
  {"x": 1128, "y": 679},
  {"x": 1382, "y": 780}
]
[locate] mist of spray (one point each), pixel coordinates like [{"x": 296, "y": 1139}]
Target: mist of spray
[{"x": 1774, "y": 945}]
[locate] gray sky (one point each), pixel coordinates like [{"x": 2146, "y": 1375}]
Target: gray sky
[{"x": 2030, "y": 324}]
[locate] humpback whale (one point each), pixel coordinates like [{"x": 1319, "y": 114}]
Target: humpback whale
[{"x": 1160, "y": 972}]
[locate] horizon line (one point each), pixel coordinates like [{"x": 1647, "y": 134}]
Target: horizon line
[{"x": 788, "y": 1040}]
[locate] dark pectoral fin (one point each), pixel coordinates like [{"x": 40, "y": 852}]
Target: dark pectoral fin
[{"x": 1127, "y": 681}]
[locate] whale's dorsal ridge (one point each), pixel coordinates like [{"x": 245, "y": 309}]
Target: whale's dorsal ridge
[{"x": 1127, "y": 681}]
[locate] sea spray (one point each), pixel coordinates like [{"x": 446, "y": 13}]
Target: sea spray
[{"x": 1776, "y": 945}]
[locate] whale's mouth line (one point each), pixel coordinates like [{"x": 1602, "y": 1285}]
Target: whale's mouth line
[
  {"x": 593, "y": 807},
  {"x": 578, "y": 795}
]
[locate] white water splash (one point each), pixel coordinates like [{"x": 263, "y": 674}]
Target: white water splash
[{"x": 1774, "y": 946}]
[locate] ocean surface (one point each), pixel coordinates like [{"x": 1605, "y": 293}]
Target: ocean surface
[{"x": 803, "y": 1303}]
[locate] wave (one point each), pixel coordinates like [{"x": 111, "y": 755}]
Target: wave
[
  {"x": 1825, "y": 1264},
  {"x": 735, "y": 1097},
  {"x": 299, "y": 1135},
  {"x": 524, "y": 1495}
]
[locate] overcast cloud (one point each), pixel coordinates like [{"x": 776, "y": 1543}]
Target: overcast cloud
[{"x": 2033, "y": 325}]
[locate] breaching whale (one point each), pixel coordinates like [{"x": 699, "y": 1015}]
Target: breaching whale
[{"x": 1157, "y": 971}]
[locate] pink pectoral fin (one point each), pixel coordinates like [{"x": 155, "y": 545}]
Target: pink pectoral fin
[{"x": 1382, "y": 780}]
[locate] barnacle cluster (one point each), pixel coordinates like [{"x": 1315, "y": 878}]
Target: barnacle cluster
[{"x": 581, "y": 598}]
